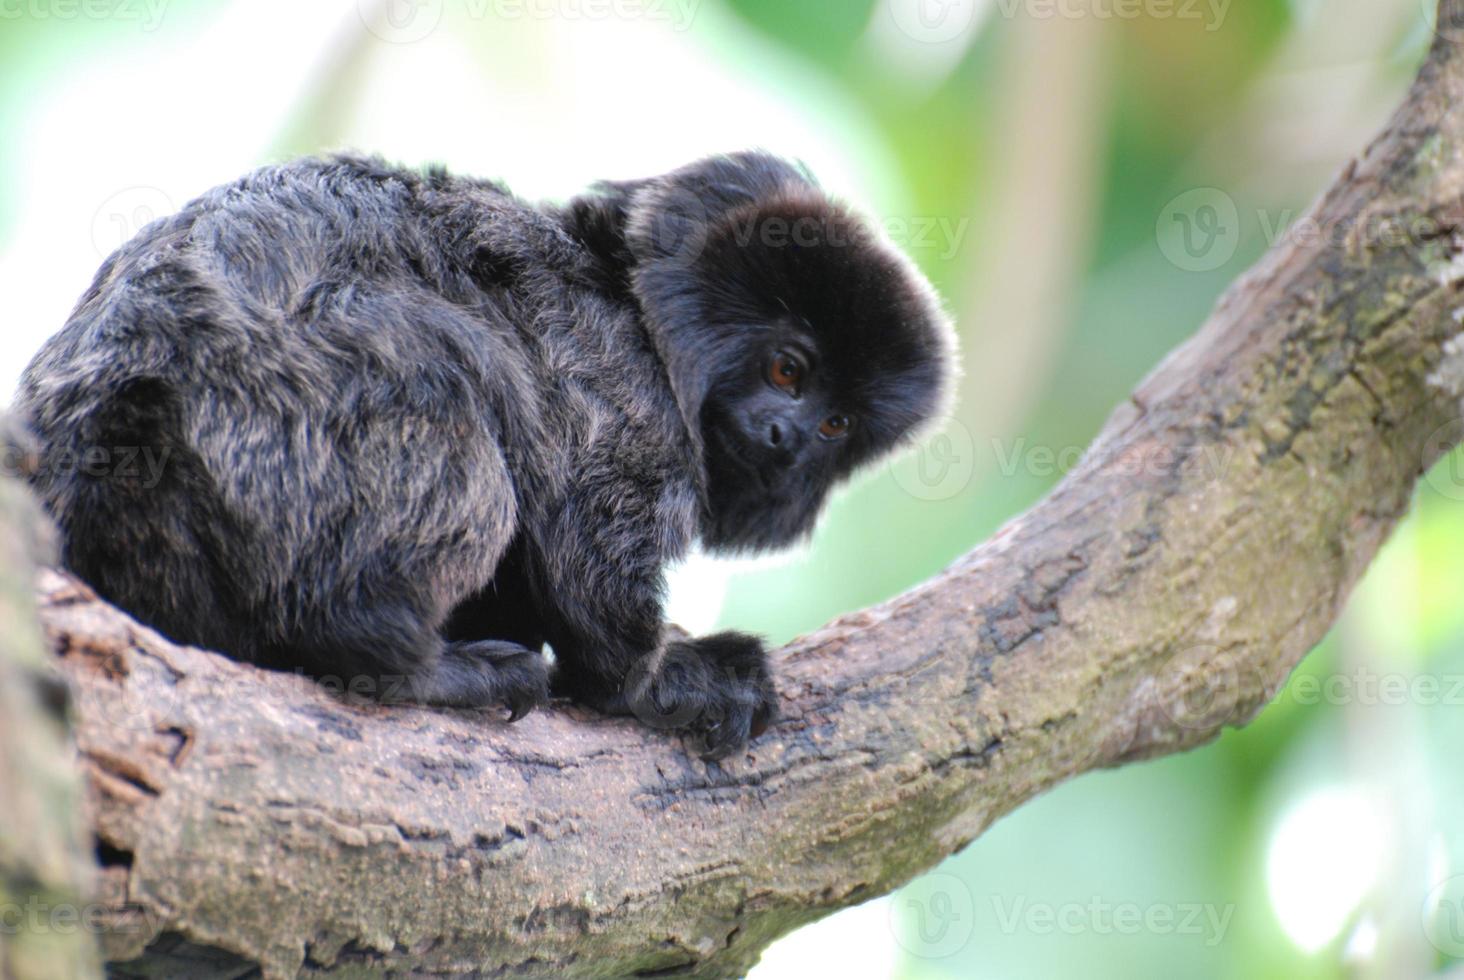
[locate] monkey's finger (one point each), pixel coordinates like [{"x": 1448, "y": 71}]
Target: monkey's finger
[
  {"x": 720, "y": 751},
  {"x": 765, "y": 715},
  {"x": 524, "y": 699},
  {"x": 731, "y": 733}
]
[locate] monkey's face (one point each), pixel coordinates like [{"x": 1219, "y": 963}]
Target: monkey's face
[
  {"x": 778, "y": 433},
  {"x": 826, "y": 349},
  {"x": 798, "y": 340},
  {"x": 795, "y": 406}
]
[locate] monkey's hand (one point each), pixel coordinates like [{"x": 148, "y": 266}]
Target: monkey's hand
[{"x": 716, "y": 688}]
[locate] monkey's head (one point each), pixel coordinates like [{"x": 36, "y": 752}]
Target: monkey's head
[{"x": 800, "y": 344}]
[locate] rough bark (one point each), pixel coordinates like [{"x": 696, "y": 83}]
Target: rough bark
[{"x": 1164, "y": 590}]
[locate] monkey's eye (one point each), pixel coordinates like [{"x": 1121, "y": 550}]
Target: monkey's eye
[
  {"x": 834, "y": 427},
  {"x": 785, "y": 371}
]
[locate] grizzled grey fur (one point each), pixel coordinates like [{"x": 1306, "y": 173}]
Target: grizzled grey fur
[{"x": 404, "y": 427}]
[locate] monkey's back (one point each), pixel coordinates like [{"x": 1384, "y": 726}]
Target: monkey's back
[{"x": 313, "y": 355}]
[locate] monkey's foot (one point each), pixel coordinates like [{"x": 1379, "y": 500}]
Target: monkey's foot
[
  {"x": 478, "y": 673},
  {"x": 716, "y": 688}
]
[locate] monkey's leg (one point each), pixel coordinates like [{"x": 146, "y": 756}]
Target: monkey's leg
[
  {"x": 402, "y": 658},
  {"x": 474, "y": 673},
  {"x": 615, "y": 652}
]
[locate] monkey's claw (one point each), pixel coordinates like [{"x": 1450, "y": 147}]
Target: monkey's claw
[
  {"x": 525, "y": 680},
  {"x": 488, "y": 672}
]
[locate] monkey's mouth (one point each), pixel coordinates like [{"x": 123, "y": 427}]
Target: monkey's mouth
[
  {"x": 731, "y": 448},
  {"x": 743, "y": 518}
]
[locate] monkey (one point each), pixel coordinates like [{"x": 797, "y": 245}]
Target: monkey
[{"x": 405, "y": 426}]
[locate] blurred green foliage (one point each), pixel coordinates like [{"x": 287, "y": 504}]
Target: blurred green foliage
[{"x": 1195, "y": 830}]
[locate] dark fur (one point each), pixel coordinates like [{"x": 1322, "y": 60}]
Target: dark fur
[{"x": 412, "y": 428}]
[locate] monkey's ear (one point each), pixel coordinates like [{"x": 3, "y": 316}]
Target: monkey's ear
[{"x": 598, "y": 219}]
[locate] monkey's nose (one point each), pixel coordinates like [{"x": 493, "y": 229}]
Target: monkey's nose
[{"x": 784, "y": 441}]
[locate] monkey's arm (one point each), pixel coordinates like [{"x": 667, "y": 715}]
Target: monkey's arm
[
  {"x": 616, "y": 653},
  {"x": 716, "y": 688}
]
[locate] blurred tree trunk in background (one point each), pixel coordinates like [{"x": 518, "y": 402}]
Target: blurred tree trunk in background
[{"x": 45, "y": 866}]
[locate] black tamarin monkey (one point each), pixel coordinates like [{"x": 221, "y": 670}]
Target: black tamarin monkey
[{"x": 406, "y": 426}]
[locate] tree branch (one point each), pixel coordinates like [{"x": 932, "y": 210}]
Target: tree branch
[{"x": 1165, "y": 589}]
